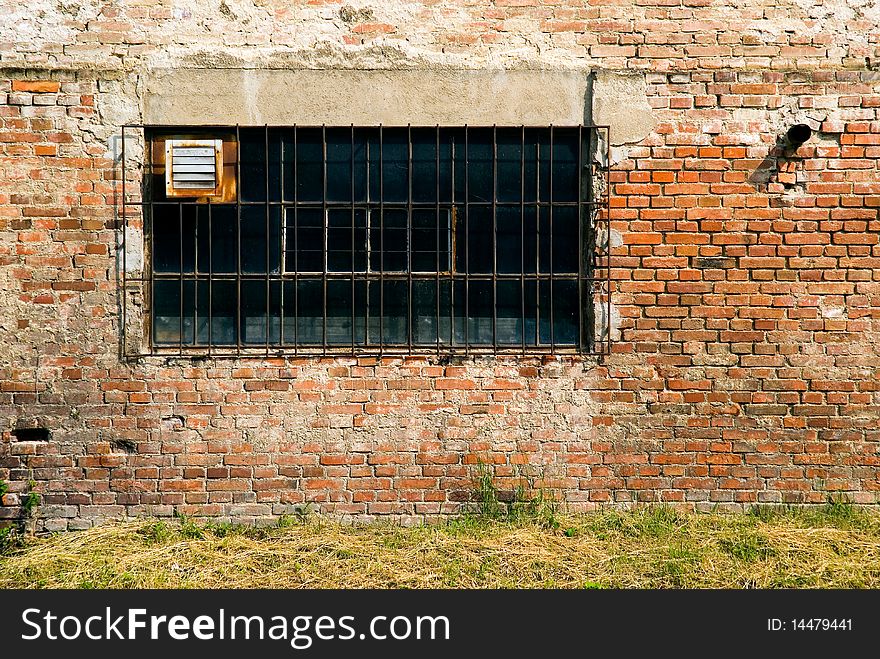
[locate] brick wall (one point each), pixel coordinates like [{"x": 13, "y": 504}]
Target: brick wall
[{"x": 746, "y": 277}]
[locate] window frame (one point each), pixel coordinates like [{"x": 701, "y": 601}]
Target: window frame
[{"x": 593, "y": 279}]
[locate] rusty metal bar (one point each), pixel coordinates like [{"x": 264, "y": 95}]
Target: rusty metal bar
[
  {"x": 238, "y": 238},
  {"x": 351, "y": 161},
  {"x": 494, "y": 239},
  {"x": 580, "y": 177},
  {"x": 381, "y": 241},
  {"x": 437, "y": 221},
  {"x": 124, "y": 277},
  {"x": 268, "y": 235},
  {"x": 467, "y": 260},
  {"x": 522, "y": 227},
  {"x": 409, "y": 237},
  {"x": 325, "y": 222},
  {"x": 550, "y": 193}
]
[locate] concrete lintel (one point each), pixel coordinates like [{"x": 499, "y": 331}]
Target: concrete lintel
[
  {"x": 620, "y": 101},
  {"x": 343, "y": 97}
]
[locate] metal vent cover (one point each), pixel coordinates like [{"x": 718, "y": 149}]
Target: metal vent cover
[{"x": 193, "y": 166}]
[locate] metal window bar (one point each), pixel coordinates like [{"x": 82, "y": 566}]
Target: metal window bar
[
  {"x": 550, "y": 240},
  {"x": 268, "y": 237},
  {"x": 494, "y": 239},
  {"x": 522, "y": 226},
  {"x": 593, "y": 269},
  {"x": 409, "y": 237},
  {"x": 237, "y": 239},
  {"x": 437, "y": 225},
  {"x": 467, "y": 260}
]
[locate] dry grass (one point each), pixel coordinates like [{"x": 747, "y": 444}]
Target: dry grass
[{"x": 836, "y": 546}]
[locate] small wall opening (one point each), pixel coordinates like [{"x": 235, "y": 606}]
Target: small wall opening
[{"x": 31, "y": 434}]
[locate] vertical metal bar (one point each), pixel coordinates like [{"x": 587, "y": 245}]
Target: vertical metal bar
[
  {"x": 467, "y": 259},
  {"x": 352, "y": 241},
  {"x": 381, "y": 241},
  {"x": 494, "y": 239},
  {"x": 538, "y": 238},
  {"x": 368, "y": 226},
  {"x": 282, "y": 220},
  {"x": 409, "y": 241},
  {"x": 196, "y": 277},
  {"x": 210, "y": 280},
  {"x": 325, "y": 224},
  {"x": 238, "y": 240},
  {"x": 124, "y": 277},
  {"x": 437, "y": 220},
  {"x": 452, "y": 227},
  {"x": 295, "y": 241},
  {"x": 607, "y": 233},
  {"x": 581, "y": 308},
  {"x": 522, "y": 227},
  {"x": 151, "y": 245},
  {"x": 180, "y": 319},
  {"x": 550, "y": 191},
  {"x": 580, "y": 221},
  {"x": 268, "y": 231}
]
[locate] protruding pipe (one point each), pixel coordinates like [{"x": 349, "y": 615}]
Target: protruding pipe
[{"x": 798, "y": 134}]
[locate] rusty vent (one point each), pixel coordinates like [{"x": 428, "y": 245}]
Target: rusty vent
[{"x": 193, "y": 166}]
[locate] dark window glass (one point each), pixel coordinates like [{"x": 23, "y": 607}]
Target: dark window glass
[{"x": 380, "y": 238}]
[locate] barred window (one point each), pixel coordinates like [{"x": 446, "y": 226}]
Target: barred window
[{"x": 374, "y": 240}]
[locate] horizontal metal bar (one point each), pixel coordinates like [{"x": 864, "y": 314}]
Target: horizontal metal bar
[
  {"x": 371, "y": 276},
  {"x": 386, "y": 350},
  {"x": 360, "y": 205},
  {"x": 171, "y": 129}
]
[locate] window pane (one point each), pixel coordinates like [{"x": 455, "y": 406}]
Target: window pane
[
  {"x": 395, "y": 165},
  {"x": 254, "y": 161},
  {"x": 309, "y": 164},
  {"x": 565, "y": 312},
  {"x": 341, "y": 314},
  {"x": 388, "y": 240},
  {"x": 510, "y": 248},
  {"x": 388, "y": 298},
  {"x": 305, "y": 240},
  {"x": 509, "y": 312},
  {"x": 307, "y": 297},
  {"x": 510, "y": 164},
  {"x": 346, "y": 167},
  {"x": 254, "y": 245},
  {"x": 479, "y": 165},
  {"x": 346, "y": 241},
  {"x": 565, "y": 169},
  {"x": 480, "y": 308},
  {"x": 565, "y": 240},
  {"x": 217, "y": 238},
  {"x": 166, "y": 237},
  {"x": 203, "y": 303},
  {"x": 474, "y": 238},
  {"x": 431, "y": 236},
  {"x": 424, "y": 309},
  {"x": 224, "y": 302},
  {"x": 424, "y": 166},
  {"x": 253, "y": 311},
  {"x": 167, "y": 325}
]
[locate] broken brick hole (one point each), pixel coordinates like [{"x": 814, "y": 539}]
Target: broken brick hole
[
  {"x": 174, "y": 422},
  {"x": 31, "y": 434},
  {"x": 798, "y": 134}
]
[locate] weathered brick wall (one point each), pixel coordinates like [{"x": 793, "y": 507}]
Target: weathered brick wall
[{"x": 747, "y": 280}]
